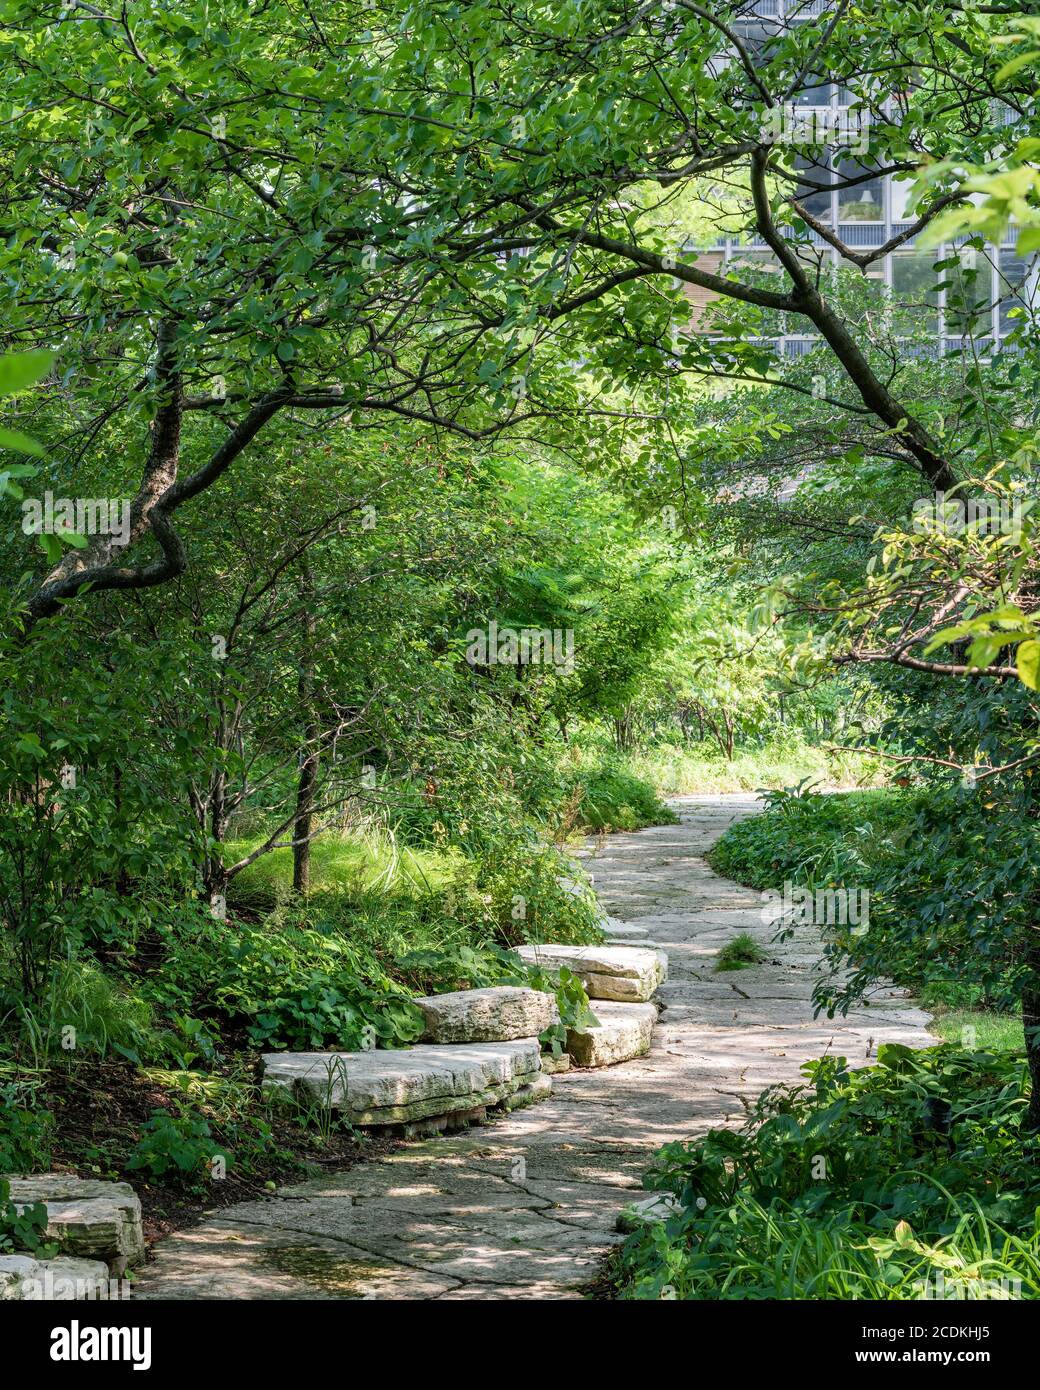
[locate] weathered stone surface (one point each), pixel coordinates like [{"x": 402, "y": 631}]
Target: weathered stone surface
[
  {"x": 620, "y": 930},
  {"x": 625, "y": 973},
  {"x": 24, "y": 1278},
  {"x": 89, "y": 1218},
  {"x": 391, "y": 1088},
  {"x": 551, "y": 1065},
  {"x": 622, "y": 1031},
  {"x": 499, "y": 1014},
  {"x": 538, "y": 1088},
  {"x": 224, "y": 1260}
]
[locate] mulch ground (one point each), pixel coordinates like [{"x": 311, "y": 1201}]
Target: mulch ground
[{"x": 99, "y": 1108}]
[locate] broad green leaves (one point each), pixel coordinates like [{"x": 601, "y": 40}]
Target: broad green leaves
[{"x": 19, "y": 370}]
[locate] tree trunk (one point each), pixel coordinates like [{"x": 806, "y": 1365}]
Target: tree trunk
[
  {"x": 304, "y": 823},
  {"x": 1031, "y": 1024}
]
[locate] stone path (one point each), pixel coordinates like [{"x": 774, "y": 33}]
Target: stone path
[{"x": 525, "y": 1207}]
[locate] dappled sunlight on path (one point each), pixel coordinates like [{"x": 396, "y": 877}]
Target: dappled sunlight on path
[{"x": 525, "y": 1207}]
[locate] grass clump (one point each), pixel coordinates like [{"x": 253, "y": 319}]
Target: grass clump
[{"x": 739, "y": 954}]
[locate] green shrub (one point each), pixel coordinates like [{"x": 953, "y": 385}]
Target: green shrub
[
  {"x": 860, "y": 1182},
  {"x": 26, "y": 1131},
  {"x": 288, "y": 985},
  {"x": 936, "y": 862},
  {"x": 607, "y": 795},
  {"x": 176, "y": 1148},
  {"x": 753, "y": 1251},
  {"x": 340, "y": 968}
]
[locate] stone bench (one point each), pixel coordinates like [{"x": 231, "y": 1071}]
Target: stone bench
[
  {"x": 627, "y": 974},
  {"x": 418, "y": 1083}
]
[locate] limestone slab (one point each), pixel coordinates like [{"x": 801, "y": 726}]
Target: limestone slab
[
  {"x": 551, "y": 1065},
  {"x": 499, "y": 1014},
  {"x": 538, "y": 1088},
  {"x": 89, "y": 1218},
  {"x": 24, "y": 1278},
  {"x": 622, "y": 1031},
  {"x": 391, "y": 1088},
  {"x": 624, "y": 973},
  {"x": 620, "y": 930}
]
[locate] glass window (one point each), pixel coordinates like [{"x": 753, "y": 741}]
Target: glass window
[
  {"x": 861, "y": 202},
  {"x": 818, "y": 95},
  {"x": 816, "y": 171},
  {"x": 915, "y": 298},
  {"x": 1012, "y": 289}
]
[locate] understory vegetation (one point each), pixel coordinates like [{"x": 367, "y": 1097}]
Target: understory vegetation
[
  {"x": 915, "y": 1177},
  {"x": 902, "y": 1180},
  {"x": 432, "y": 436},
  {"x": 934, "y": 862}
]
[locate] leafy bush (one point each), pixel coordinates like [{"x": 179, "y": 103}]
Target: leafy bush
[
  {"x": 607, "y": 795},
  {"x": 937, "y": 863},
  {"x": 178, "y": 1148},
  {"x": 288, "y": 985},
  {"x": 23, "y": 1229},
  {"x": 26, "y": 1131},
  {"x": 752, "y": 1251},
  {"x": 71, "y": 838},
  {"x": 860, "y": 1184},
  {"x": 341, "y": 969}
]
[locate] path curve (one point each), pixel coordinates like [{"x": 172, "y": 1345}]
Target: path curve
[{"x": 525, "y": 1207}]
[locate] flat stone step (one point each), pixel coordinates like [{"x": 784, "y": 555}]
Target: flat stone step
[
  {"x": 499, "y": 1014},
  {"x": 615, "y": 928},
  {"x": 89, "y": 1218},
  {"x": 628, "y": 974},
  {"x": 623, "y": 1031},
  {"x": 25, "y": 1278},
  {"x": 551, "y": 1065},
  {"x": 538, "y": 1088},
  {"x": 398, "y": 1088}
]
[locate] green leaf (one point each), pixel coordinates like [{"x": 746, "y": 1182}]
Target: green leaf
[
  {"x": 50, "y": 545},
  {"x": 1028, "y": 241},
  {"x": 15, "y": 439},
  {"x": 21, "y": 369},
  {"x": 1016, "y": 64},
  {"x": 1027, "y": 663}
]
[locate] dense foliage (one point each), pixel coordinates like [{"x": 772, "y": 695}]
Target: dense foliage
[
  {"x": 381, "y": 514},
  {"x": 937, "y": 865},
  {"x": 901, "y": 1180}
]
